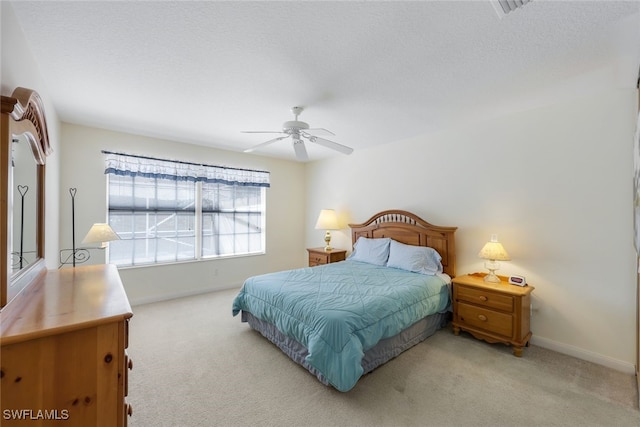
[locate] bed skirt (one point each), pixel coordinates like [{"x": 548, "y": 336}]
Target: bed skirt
[{"x": 377, "y": 355}]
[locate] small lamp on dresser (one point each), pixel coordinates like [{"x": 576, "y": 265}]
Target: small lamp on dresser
[
  {"x": 100, "y": 233},
  {"x": 493, "y": 251},
  {"x": 327, "y": 220}
]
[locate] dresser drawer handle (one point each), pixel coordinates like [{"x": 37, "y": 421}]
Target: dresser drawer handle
[
  {"x": 483, "y": 298},
  {"x": 129, "y": 410},
  {"x": 130, "y": 364},
  {"x": 482, "y": 317}
]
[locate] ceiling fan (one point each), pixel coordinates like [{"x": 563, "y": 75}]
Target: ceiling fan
[{"x": 298, "y": 130}]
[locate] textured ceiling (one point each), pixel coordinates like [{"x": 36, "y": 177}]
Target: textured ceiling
[{"x": 371, "y": 72}]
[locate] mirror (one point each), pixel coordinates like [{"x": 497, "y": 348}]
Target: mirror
[
  {"x": 23, "y": 150},
  {"x": 24, "y": 250}
]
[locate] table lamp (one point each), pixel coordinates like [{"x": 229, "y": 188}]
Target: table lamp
[
  {"x": 327, "y": 220},
  {"x": 493, "y": 251},
  {"x": 100, "y": 233}
]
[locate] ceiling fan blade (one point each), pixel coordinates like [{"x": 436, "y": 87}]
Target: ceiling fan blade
[
  {"x": 330, "y": 144},
  {"x": 321, "y": 130},
  {"x": 299, "y": 148},
  {"x": 261, "y": 131},
  {"x": 271, "y": 141}
]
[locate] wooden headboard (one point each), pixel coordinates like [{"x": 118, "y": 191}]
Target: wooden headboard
[{"x": 410, "y": 229}]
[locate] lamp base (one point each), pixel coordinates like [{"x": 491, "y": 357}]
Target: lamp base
[
  {"x": 492, "y": 278},
  {"x": 74, "y": 256},
  {"x": 327, "y": 241},
  {"x": 492, "y": 265}
]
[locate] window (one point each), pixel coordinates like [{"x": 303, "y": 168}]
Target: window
[
  {"x": 168, "y": 211},
  {"x": 232, "y": 219}
]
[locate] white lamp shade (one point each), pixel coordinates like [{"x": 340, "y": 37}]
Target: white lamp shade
[
  {"x": 327, "y": 220},
  {"x": 100, "y": 233},
  {"x": 494, "y": 251}
]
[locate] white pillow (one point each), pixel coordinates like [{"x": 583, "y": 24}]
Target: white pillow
[
  {"x": 372, "y": 251},
  {"x": 419, "y": 259}
]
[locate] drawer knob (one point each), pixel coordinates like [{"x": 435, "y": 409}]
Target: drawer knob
[
  {"x": 482, "y": 317},
  {"x": 130, "y": 364},
  {"x": 483, "y": 298},
  {"x": 129, "y": 410}
]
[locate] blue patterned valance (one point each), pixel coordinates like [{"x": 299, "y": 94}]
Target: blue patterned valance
[{"x": 149, "y": 167}]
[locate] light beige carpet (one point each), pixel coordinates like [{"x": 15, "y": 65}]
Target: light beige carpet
[{"x": 196, "y": 365}]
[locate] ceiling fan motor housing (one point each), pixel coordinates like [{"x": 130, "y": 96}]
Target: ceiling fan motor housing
[{"x": 294, "y": 126}]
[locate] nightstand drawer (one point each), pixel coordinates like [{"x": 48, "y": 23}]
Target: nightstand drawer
[
  {"x": 315, "y": 259},
  {"x": 319, "y": 256},
  {"x": 485, "y": 298},
  {"x": 490, "y": 321}
]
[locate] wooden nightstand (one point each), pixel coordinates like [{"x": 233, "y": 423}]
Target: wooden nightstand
[
  {"x": 318, "y": 256},
  {"x": 494, "y": 312}
]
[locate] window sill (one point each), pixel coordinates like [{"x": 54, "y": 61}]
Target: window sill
[{"x": 190, "y": 261}]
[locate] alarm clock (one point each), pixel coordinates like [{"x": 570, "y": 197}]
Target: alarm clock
[{"x": 518, "y": 280}]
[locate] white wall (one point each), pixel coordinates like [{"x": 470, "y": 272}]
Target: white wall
[
  {"x": 19, "y": 68},
  {"x": 83, "y": 169},
  {"x": 554, "y": 183}
]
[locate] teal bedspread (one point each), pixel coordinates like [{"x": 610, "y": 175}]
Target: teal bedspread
[{"x": 340, "y": 310}]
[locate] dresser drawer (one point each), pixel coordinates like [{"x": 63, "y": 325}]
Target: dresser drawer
[
  {"x": 128, "y": 366},
  {"x": 485, "y": 298},
  {"x": 488, "y": 320}
]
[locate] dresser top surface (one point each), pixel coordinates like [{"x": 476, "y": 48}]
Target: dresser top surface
[{"x": 65, "y": 300}]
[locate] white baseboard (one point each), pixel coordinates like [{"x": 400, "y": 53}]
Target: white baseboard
[
  {"x": 609, "y": 362},
  {"x": 174, "y": 295}
]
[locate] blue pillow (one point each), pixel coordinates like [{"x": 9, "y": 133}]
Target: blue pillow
[
  {"x": 371, "y": 251},
  {"x": 419, "y": 259}
]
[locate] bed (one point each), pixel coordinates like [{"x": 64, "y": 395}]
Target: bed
[{"x": 342, "y": 320}]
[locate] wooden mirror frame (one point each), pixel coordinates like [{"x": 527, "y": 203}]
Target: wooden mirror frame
[{"x": 22, "y": 116}]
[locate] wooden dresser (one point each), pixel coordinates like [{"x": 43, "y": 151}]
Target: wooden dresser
[
  {"x": 318, "y": 256},
  {"x": 63, "y": 350},
  {"x": 494, "y": 312}
]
